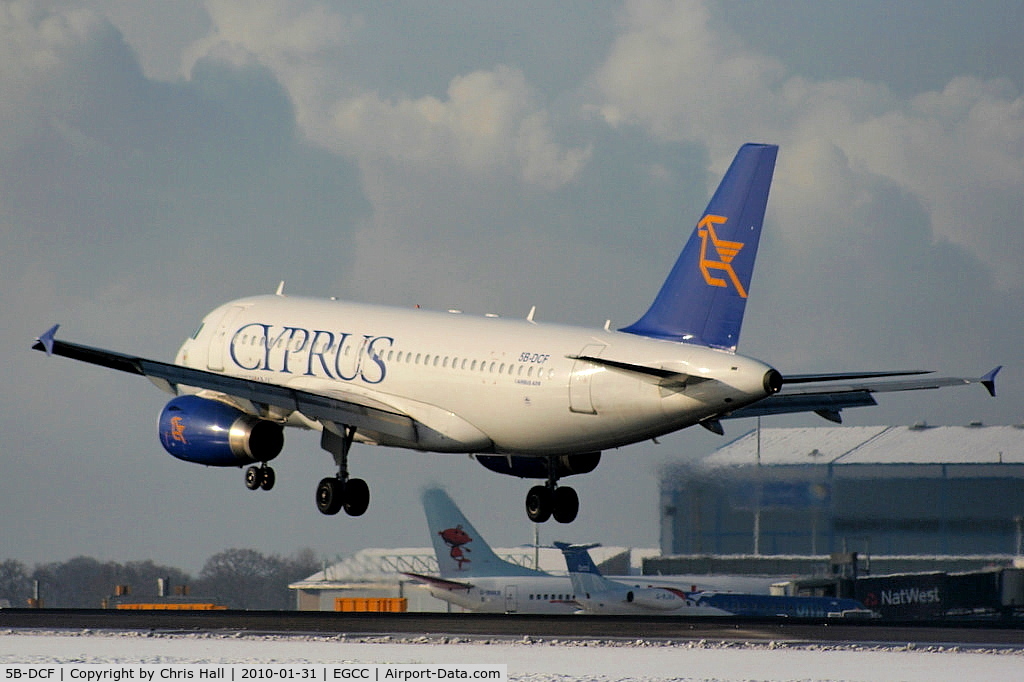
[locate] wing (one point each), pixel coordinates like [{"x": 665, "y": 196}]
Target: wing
[
  {"x": 348, "y": 410},
  {"x": 827, "y": 397}
]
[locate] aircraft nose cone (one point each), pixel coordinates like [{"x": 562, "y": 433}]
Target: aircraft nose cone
[{"x": 772, "y": 381}]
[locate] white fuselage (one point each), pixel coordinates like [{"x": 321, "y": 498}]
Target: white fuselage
[
  {"x": 513, "y": 594},
  {"x": 473, "y": 384}
]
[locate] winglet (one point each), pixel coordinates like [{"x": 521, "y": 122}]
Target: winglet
[
  {"x": 46, "y": 339},
  {"x": 989, "y": 381}
]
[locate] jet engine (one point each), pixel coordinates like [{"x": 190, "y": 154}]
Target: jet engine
[
  {"x": 537, "y": 467},
  {"x": 213, "y": 433},
  {"x": 654, "y": 599}
]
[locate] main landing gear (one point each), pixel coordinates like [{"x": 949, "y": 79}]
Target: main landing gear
[
  {"x": 545, "y": 501},
  {"x": 260, "y": 477},
  {"x": 338, "y": 492}
]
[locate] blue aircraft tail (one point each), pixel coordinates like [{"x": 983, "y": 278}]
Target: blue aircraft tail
[
  {"x": 461, "y": 551},
  {"x": 577, "y": 558},
  {"x": 704, "y": 297}
]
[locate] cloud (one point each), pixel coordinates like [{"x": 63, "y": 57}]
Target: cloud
[
  {"x": 959, "y": 153},
  {"x": 490, "y": 123}
]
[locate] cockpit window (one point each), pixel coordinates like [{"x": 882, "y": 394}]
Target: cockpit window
[{"x": 199, "y": 329}]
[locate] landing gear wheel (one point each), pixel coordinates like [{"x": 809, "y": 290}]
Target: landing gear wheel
[
  {"x": 253, "y": 478},
  {"x": 539, "y": 504},
  {"x": 330, "y": 496},
  {"x": 269, "y": 478},
  {"x": 357, "y": 497},
  {"x": 566, "y": 505}
]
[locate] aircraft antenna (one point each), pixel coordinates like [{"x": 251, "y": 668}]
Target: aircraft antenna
[
  {"x": 280, "y": 289},
  {"x": 533, "y": 310}
]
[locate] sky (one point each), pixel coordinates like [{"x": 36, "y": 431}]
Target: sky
[{"x": 158, "y": 159}]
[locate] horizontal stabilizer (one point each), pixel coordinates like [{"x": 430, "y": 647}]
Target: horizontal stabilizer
[
  {"x": 440, "y": 582},
  {"x": 848, "y": 376},
  {"x": 829, "y": 399},
  {"x": 660, "y": 375}
]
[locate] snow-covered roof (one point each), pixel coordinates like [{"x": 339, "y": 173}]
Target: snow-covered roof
[{"x": 849, "y": 445}]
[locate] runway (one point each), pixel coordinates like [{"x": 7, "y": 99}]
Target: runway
[{"x": 976, "y": 634}]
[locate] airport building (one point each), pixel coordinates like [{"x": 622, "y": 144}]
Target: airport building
[{"x": 877, "y": 490}]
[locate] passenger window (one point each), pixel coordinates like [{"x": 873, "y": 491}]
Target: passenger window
[
  {"x": 436, "y": 358},
  {"x": 418, "y": 358},
  {"x": 473, "y": 366},
  {"x": 501, "y": 370}
]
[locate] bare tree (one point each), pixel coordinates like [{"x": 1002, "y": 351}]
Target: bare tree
[{"x": 15, "y": 585}]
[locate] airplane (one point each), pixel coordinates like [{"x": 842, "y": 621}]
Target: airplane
[
  {"x": 599, "y": 595},
  {"x": 523, "y": 398},
  {"x": 773, "y": 606},
  {"x": 473, "y": 577},
  {"x": 596, "y": 594}
]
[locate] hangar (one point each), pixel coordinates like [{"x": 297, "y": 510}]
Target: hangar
[{"x": 882, "y": 490}]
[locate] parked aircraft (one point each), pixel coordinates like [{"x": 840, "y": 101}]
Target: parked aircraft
[
  {"x": 525, "y": 398},
  {"x": 474, "y": 577},
  {"x": 599, "y": 595}
]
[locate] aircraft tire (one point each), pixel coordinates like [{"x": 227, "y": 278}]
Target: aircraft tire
[
  {"x": 330, "y": 494},
  {"x": 253, "y": 478},
  {"x": 357, "y": 497},
  {"x": 565, "y": 505},
  {"x": 538, "y": 504},
  {"x": 269, "y": 478}
]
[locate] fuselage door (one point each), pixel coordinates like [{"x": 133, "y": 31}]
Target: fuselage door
[
  {"x": 511, "y": 599},
  {"x": 219, "y": 340},
  {"x": 580, "y": 380}
]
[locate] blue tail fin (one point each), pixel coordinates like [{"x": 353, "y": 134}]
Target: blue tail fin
[
  {"x": 461, "y": 551},
  {"x": 577, "y": 558},
  {"x": 704, "y": 297}
]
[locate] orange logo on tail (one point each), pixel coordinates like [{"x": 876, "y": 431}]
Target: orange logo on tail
[{"x": 726, "y": 252}]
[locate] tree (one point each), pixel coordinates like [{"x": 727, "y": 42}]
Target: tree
[
  {"x": 84, "y": 582},
  {"x": 15, "y": 585},
  {"x": 246, "y": 579}
]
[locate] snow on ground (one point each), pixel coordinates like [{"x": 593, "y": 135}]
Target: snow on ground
[{"x": 531, "y": 660}]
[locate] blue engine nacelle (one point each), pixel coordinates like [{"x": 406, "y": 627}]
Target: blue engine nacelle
[
  {"x": 213, "y": 433},
  {"x": 537, "y": 467}
]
